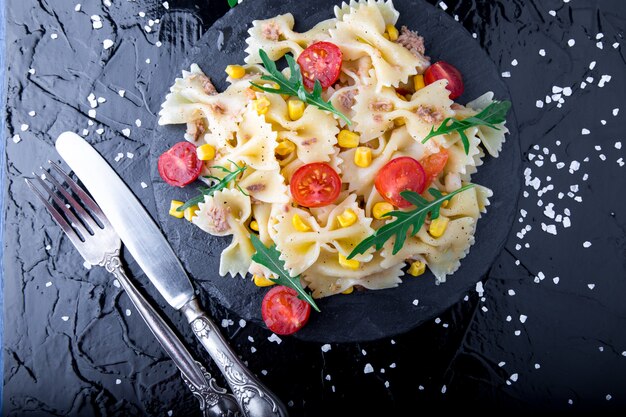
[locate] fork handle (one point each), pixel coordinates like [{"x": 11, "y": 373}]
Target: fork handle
[
  {"x": 214, "y": 401},
  {"x": 254, "y": 398}
]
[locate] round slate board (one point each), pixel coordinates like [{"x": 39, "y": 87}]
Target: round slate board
[{"x": 364, "y": 315}]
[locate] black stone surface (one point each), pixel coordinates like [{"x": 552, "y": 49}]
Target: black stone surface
[
  {"x": 68, "y": 338},
  {"x": 367, "y": 315}
]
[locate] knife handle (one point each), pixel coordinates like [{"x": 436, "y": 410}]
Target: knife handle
[{"x": 253, "y": 397}]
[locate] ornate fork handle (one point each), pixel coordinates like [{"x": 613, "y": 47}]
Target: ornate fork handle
[
  {"x": 253, "y": 397},
  {"x": 214, "y": 401}
]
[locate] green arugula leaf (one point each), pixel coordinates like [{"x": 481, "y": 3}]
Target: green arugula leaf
[
  {"x": 294, "y": 86},
  {"x": 269, "y": 257},
  {"x": 406, "y": 220},
  {"x": 490, "y": 116},
  {"x": 232, "y": 3},
  {"x": 220, "y": 185}
]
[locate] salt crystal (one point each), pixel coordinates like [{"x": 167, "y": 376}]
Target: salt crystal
[
  {"x": 552, "y": 12},
  {"x": 585, "y": 131},
  {"x": 119, "y": 157},
  {"x": 252, "y": 349},
  {"x": 513, "y": 377},
  {"x": 166, "y": 5},
  {"x": 122, "y": 93},
  {"x": 31, "y": 71},
  {"x": 130, "y": 155},
  {"x": 517, "y": 332},
  {"x": 443, "y": 5},
  {"x": 591, "y": 286},
  {"x": 539, "y": 104},
  {"x": 368, "y": 369},
  {"x": 158, "y": 44},
  {"x": 599, "y": 45},
  {"x": 126, "y": 132},
  {"x": 275, "y": 338},
  {"x": 326, "y": 348},
  {"x": 242, "y": 323},
  {"x": 100, "y": 131},
  {"x": 65, "y": 318},
  {"x": 77, "y": 7},
  {"x": 48, "y": 284},
  {"x": 501, "y": 364},
  {"x": 118, "y": 381},
  {"x": 542, "y": 52},
  {"x": 116, "y": 283},
  {"x": 511, "y": 292},
  {"x": 522, "y": 318},
  {"x": 586, "y": 244},
  {"x": 479, "y": 288},
  {"x": 506, "y": 74},
  {"x": 484, "y": 309},
  {"x": 555, "y": 280},
  {"x": 514, "y": 62},
  {"x": 608, "y": 397},
  {"x": 16, "y": 138},
  {"x": 604, "y": 79},
  {"x": 143, "y": 185},
  {"x": 567, "y": 91},
  {"x": 556, "y": 89},
  {"x": 616, "y": 45},
  {"x": 138, "y": 123},
  {"x": 509, "y": 318},
  {"x": 571, "y": 42},
  {"x": 92, "y": 113},
  {"x": 128, "y": 312},
  {"x": 24, "y": 127},
  {"x": 415, "y": 302},
  {"x": 107, "y": 43},
  {"x": 147, "y": 28}
]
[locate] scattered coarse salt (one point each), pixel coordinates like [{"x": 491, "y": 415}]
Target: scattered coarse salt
[
  {"x": 604, "y": 79},
  {"x": 511, "y": 292},
  {"x": 119, "y": 157},
  {"x": 513, "y": 377},
  {"x": 537, "y": 366},
  {"x": 415, "y": 302},
  {"x": 514, "y": 62},
  {"x": 444, "y": 389},
  {"x": 147, "y": 28},
  {"x": 148, "y": 61},
  {"x": 65, "y": 318},
  {"x": 443, "y": 5},
  {"x": 552, "y": 12},
  {"x": 130, "y": 155},
  {"x": 242, "y": 323},
  {"x": 126, "y": 132},
  {"x": 616, "y": 45},
  {"x": 368, "y": 369},
  {"x": 107, "y": 43},
  {"x": 585, "y": 132},
  {"x": 92, "y": 113},
  {"x": 96, "y": 22},
  {"x": 16, "y": 138},
  {"x": 325, "y": 348},
  {"x": 586, "y": 244},
  {"x": 501, "y": 364},
  {"x": 479, "y": 288},
  {"x": 600, "y": 45},
  {"x": 54, "y": 36},
  {"x": 100, "y": 131},
  {"x": 116, "y": 283},
  {"x": 509, "y": 318},
  {"x": 142, "y": 14},
  {"x": 517, "y": 332},
  {"x": 138, "y": 123},
  {"x": 252, "y": 349},
  {"x": 539, "y": 104},
  {"x": 128, "y": 312},
  {"x": 227, "y": 322},
  {"x": 506, "y": 74},
  {"x": 571, "y": 42},
  {"x": 522, "y": 318},
  {"x": 591, "y": 286},
  {"x": 166, "y": 5},
  {"x": 555, "y": 280},
  {"x": 484, "y": 309},
  {"x": 24, "y": 127},
  {"x": 275, "y": 338},
  {"x": 592, "y": 65},
  {"x": 143, "y": 185},
  {"x": 77, "y": 7},
  {"x": 567, "y": 91},
  {"x": 121, "y": 93},
  {"x": 542, "y": 52},
  {"x": 608, "y": 397},
  {"x": 158, "y": 44},
  {"x": 437, "y": 320},
  {"x": 363, "y": 352},
  {"x": 48, "y": 284},
  {"x": 118, "y": 381}
]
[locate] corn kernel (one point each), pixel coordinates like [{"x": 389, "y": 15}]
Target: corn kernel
[
  {"x": 299, "y": 224},
  {"x": 285, "y": 147},
  {"x": 438, "y": 226},
  {"x": 235, "y": 71},
  {"x": 386, "y": 35},
  {"x": 348, "y": 290},
  {"x": 380, "y": 209},
  {"x": 418, "y": 82},
  {"x": 189, "y": 212},
  {"x": 205, "y": 152},
  {"x": 417, "y": 268},
  {"x": 347, "y": 218},
  {"x": 393, "y": 32},
  {"x": 173, "y": 206},
  {"x": 254, "y": 225},
  {"x": 363, "y": 157},
  {"x": 261, "y": 105},
  {"x": 352, "y": 264},
  {"x": 446, "y": 203},
  {"x": 261, "y": 281},
  {"x": 295, "y": 108},
  {"x": 347, "y": 139}
]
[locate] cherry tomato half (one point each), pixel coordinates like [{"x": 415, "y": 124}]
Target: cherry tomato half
[
  {"x": 443, "y": 71},
  {"x": 398, "y": 175},
  {"x": 433, "y": 165},
  {"x": 180, "y": 165},
  {"x": 283, "y": 312},
  {"x": 315, "y": 185},
  {"x": 320, "y": 61}
]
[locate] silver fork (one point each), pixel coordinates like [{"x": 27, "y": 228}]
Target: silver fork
[{"x": 98, "y": 243}]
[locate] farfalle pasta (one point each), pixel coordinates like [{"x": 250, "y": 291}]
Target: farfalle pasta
[{"x": 308, "y": 180}]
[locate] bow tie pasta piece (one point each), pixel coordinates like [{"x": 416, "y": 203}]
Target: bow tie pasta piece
[
  {"x": 386, "y": 9},
  {"x": 276, "y": 37},
  {"x": 375, "y": 112},
  {"x": 491, "y": 139},
  {"x": 458, "y": 161},
  {"x": 327, "y": 277},
  {"x": 223, "y": 214},
  {"x": 442, "y": 255},
  {"x": 255, "y": 144},
  {"x": 265, "y": 186},
  {"x": 194, "y": 98},
  {"x": 314, "y": 134},
  {"x": 299, "y": 250},
  {"x": 360, "y": 33},
  {"x": 262, "y": 215}
]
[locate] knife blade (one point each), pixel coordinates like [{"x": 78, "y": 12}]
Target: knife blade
[{"x": 154, "y": 255}]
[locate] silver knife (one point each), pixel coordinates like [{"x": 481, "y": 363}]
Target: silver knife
[{"x": 150, "y": 249}]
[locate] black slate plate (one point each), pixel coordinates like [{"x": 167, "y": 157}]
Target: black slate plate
[{"x": 363, "y": 315}]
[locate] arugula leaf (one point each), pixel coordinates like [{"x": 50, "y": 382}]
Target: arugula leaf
[
  {"x": 269, "y": 257},
  {"x": 232, "y": 3},
  {"x": 220, "y": 185},
  {"x": 490, "y": 116},
  {"x": 294, "y": 86},
  {"x": 406, "y": 220}
]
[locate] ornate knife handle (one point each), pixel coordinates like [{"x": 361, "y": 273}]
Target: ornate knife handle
[
  {"x": 253, "y": 397},
  {"x": 214, "y": 401}
]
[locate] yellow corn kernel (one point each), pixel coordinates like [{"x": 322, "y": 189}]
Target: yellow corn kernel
[
  {"x": 418, "y": 82},
  {"x": 380, "y": 209},
  {"x": 261, "y": 105},
  {"x": 295, "y": 108},
  {"x": 438, "y": 226},
  {"x": 352, "y": 264},
  {"x": 299, "y": 224},
  {"x": 235, "y": 71},
  {"x": 285, "y": 147},
  {"x": 386, "y": 36},
  {"x": 254, "y": 225},
  {"x": 205, "y": 152},
  {"x": 393, "y": 32},
  {"x": 417, "y": 268},
  {"x": 347, "y": 139},
  {"x": 348, "y": 290},
  {"x": 189, "y": 212},
  {"x": 347, "y": 218},
  {"x": 261, "y": 281},
  {"x": 363, "y": 157},
  {"x": 446, "y": 203},
  {"x": 173, "y": 206}
]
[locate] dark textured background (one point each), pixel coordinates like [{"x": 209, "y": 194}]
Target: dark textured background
[{"x": 547, "y": 333}]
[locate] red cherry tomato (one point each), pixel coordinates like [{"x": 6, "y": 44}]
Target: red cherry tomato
[
  {"x": 398, "y": 175},
  {"x": 320, "y": 61},
  {"x": 180, "y": 165},
  {"x": 283, "y": 312},
  {"x": 433, "y": 165},
  {"x": 315, "y": 185},
  {"x": 443, "y": 71}
]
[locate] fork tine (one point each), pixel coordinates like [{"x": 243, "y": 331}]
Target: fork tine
[
  {"x": 84, "y": 197},
  {"x": 68, "y": 213},
  {"x": 84, "y": 216},
  {"x": 58, "y": 217}
]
